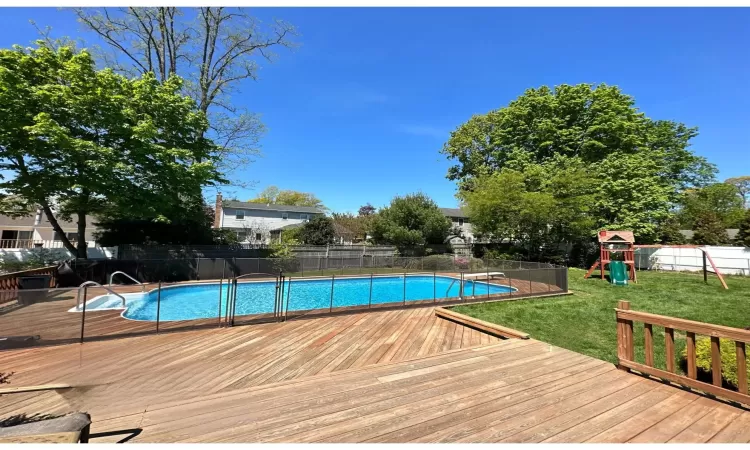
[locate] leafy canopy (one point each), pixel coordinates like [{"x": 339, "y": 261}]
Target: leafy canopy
[
  {"x": 709, "y": 230},
  {"x": 743, "y": 186},
  {"x": 410, "y": 220},
  {"x": 317, "y": 231},
  {"x": 78, "y": 141},
  {"x": 721, "y": 199},
  {"x": 638, "y": 166},
  {"x": 274, "y": 195}
]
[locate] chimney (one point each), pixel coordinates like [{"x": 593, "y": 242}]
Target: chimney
[{"x": 217, "y": 211}]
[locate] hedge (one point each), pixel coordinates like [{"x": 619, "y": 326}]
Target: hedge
[{"x": 728, "y": 358}]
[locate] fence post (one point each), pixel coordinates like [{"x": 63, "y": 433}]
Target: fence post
[
  {"x": 198, "y": 269},
  {"x": 488, "y": 282},
  {"x": 333, "y": 277},
  {"x": 83, "y": 314},
  {"x": 220, "y": 288},
  {"x": 624, "y": 335},
  {"x": 531, "y": 287},
  {"x": 158, "y": 306},
  {"x": 288, "y": 294},
  {"x": 434, "y": 288},
  {"x": 404, "y": 288},
  {"x": 369, "y": 303}
]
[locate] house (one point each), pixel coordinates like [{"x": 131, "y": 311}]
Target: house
[
  {"x": 36, "y": 231},
  {"x": 259, "y": 223},
  {"x": 460, "y": 222}
]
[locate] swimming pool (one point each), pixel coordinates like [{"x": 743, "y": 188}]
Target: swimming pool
[{"x": 200, "y": 301}]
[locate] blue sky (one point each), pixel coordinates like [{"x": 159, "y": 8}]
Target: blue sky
[{"x": 359, "y": 112}]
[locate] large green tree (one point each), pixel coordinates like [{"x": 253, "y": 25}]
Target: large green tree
[
  {"x": 743, "y": 236},
  {"x": 743, "y": 186},
  {"x": 411, "y": 220},
  {"x": 80, "y": 141},
  {"x": 640, "y": 165},
  {"x": 722, "y": 199},
  {"x": 709, "y": 230}
]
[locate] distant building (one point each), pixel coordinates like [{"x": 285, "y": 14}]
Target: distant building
[
  {"x": 460, "y": 221},
  {"x": 36, "y": 231},
  {"x": 260, "y": 223},
  {"x": 731, "y": 233}
]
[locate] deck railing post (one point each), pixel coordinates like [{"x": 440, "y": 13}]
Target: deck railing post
[
  {"x": 158, "y": 306},
  {"x": 83, "y": 313},
  {"x": 624, "y": 334}
]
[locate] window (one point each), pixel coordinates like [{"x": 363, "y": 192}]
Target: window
[
  {"x": 239, "y": 215},
  {"x": 460, "y": 222},
  {"x": 284, "y": 216},
  {"x": 72, "y": 237},
  {"x": 304, "y": 217},
  {"x": 241, "y": 236},
  {"x": 258, "y": 236}
]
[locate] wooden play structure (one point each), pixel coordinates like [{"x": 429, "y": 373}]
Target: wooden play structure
[
  {"x": 623, "y": 242},
  {"x": 611, "y": 243}
]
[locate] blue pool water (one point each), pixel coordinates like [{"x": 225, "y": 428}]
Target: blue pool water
[{"x": 202, "y": 300}]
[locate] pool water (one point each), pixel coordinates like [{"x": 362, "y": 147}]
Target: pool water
[{"x": 199, "y": 301}]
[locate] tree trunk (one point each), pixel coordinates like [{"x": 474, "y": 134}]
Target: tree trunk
[
  {"x": 56, "y": 227},
  {"x": 82, "y": 244}
]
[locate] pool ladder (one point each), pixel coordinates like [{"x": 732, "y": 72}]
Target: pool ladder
[
  {"x": 112, "y": 276},
  {"x": 94, "y": 283}
]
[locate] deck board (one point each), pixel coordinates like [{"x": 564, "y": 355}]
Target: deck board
[{"x": 380, "y": 376}]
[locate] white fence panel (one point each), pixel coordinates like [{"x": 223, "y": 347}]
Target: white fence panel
[{"x": 729, "y": 260}]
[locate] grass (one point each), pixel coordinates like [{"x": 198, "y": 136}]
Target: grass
[{"x": 585, "y": 321}]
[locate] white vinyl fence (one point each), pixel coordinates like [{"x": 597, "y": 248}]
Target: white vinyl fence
[{"x": 729, "y": 260}]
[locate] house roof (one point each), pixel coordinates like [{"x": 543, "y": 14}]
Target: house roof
[
  {"x": 453, "y": 212},
  {"x": 731, "y": 233},
  {"x": 616, "y": 236},
  {"x": 272, "y": 207}
]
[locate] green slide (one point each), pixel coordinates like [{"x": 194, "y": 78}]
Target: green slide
[{"x": 618, "y": 273}]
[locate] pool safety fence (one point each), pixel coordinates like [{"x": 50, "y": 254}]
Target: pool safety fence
[{"x": 66, "y": 315}]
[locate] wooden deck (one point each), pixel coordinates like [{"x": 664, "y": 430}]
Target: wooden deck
[{"x": 381, "y": 376}]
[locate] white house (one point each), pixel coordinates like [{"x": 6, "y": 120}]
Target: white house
[
  {"x": 259, "y": 223},
  {"x": 36, "y": 231},
  {"x": 460, "y": 221}
]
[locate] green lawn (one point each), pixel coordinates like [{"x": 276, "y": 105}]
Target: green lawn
[{"x": 585, "y": 321}]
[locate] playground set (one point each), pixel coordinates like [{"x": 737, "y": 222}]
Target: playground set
[{"x": 617, "y": 250}]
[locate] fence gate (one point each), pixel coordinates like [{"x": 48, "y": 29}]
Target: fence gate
[{"x": 272, "y": 306}]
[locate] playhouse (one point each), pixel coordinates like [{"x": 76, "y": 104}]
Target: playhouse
[{"x": 616, "y": 250}]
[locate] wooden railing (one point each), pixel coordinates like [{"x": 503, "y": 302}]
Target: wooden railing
[
  {"x": 9, "y": 281},
  {"x": 626, "y": 351}
]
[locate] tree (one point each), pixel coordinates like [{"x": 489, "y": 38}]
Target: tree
[
  {"x": 722, "y": 199},
  {"x": 709, "y": 230},
  {"x": 743, "y": 186},
  {"x": 743, "y": 236},
  {"x": 596, "y": 128},
  {"x": 359, "y": 225},
  {"x": 409, "y": 221},
  {"x": 317, "y": 231},
  {"x": 669, "y": 232},
  {"x": 274, "y": 195},
  {"x": 366, "y": 210},
  {"x": 213, "y": 48},
  {"x": 191, "y": 227},
  {"x": 80, "y": 141},
  {"x": 540, "y": 209}
]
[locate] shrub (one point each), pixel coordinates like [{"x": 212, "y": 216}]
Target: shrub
[
  {"x": 728, "y": 358},
  {"x": 437, "y": 262}
]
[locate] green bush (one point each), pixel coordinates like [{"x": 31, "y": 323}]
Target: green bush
[
  {"x": 437, "y": 262},
  {"x": 728, "y": 358}
]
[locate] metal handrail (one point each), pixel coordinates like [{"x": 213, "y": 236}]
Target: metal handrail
[
  {"x": 94, "y": 283},
  {"x": 112, "y": 276}
]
